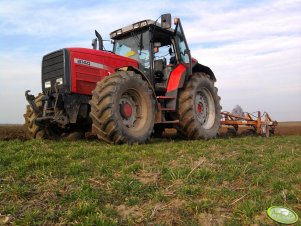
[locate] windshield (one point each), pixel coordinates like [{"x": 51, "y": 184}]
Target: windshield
[{"x": 135, "y": 46}]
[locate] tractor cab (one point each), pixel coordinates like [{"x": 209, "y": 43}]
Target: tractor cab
[{"x": 158, "y": 48}]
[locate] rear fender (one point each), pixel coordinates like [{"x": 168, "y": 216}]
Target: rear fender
[
  {"x": 202, "y": 68},
  {"x": 178, "y": 77}
]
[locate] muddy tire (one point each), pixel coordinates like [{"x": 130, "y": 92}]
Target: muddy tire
[
  {"x": 122, "y": 109},
  {"x": 33, "y": 130},
  {"x": 51, "y": 131},
  {"x": 199, "y": 108}
]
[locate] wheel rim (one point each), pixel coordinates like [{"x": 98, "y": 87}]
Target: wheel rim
[
  {"x": 129, "y": 108},
  {"x": 205, "y": 108}
]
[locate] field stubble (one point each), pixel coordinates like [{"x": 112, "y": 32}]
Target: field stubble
[{"x": 230, "y": 181}]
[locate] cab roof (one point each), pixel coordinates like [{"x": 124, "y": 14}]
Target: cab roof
[{"x": 136, "y": 27}]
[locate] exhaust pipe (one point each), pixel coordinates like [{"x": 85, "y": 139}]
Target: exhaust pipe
[{"x": 100, "y": 41}]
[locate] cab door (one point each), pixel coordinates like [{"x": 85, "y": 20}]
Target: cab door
[{"x": 183, "y": 51}]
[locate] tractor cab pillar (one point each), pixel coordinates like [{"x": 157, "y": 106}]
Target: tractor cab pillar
[{"x": 182, "y": 48}]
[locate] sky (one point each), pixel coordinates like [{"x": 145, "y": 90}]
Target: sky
[{"x": 253, "y": 47}]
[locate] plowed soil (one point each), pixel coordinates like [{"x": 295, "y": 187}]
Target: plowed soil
[{"x": 11, "y": 131}]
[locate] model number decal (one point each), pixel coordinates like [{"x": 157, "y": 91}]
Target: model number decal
[
  {"x": 92, "y": 64},
  {"x": 84, "y": 62}
]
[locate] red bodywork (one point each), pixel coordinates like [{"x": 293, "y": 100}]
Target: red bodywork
[
  {"x": 175, "y": 77},
  {"x": 88, "y": 66}
]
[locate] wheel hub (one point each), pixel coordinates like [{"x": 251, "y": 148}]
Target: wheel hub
[
  {"x": 202, "y": 110},
  {"x": 128, "y": 110}
]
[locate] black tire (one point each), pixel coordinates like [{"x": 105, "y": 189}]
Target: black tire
[
  {"x": 199, "y": 108},
  {"x": 158, "y": 131},
  {"x": 111, "y": 99},
  {"x": 39, "y": 132},
  {"x": 34, "y": 131}
]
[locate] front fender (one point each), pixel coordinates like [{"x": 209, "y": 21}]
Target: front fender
[{"x": 144, "y": 77}]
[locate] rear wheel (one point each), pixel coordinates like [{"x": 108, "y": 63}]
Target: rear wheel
[
  {"x": 199, "y": 108},
  {"x": 123, "y": 109}
]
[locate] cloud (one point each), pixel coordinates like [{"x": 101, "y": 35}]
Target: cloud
[
  {"x": 54, "y": 19},
  {"x": 272, "y": 18}
]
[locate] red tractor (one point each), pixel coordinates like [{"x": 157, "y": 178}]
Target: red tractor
[{"x": 149, "y": 82}]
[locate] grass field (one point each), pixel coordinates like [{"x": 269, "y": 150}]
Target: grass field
[{"x": 218, "y": 182}]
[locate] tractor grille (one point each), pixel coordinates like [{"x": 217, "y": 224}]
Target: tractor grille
[{"x": 53, "y": 68}]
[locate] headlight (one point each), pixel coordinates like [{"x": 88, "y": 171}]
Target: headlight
[
  {"x": 47, "y": 84},
  {"x": 59, "y": 81}
]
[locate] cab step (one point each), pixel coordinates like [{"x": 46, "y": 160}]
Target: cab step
[
  {"x": 166, "y": 97},
  {"x": 169, "y": 122},
  {"x": 167, "y": 109}
]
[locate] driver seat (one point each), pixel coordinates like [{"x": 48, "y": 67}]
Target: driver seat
[
  {"x": 159, "y": 66},
  {"x": 162, "y": 73}
]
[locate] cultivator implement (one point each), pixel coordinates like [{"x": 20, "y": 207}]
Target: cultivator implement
[{"x": 262, "y": 123}]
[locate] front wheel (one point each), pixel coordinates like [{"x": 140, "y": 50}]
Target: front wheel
[
  {"x": 45, "y": 131},
  {"x": 123, "y": 109},
  {"x": 34, "y": 130},
  {"x": 199, "y": 108}
]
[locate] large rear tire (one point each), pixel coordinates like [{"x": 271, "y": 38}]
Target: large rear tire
[
  {"x": 123, "y": 109},
  {"x": 199, "y": 108}
]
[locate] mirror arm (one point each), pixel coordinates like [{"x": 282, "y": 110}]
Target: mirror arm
[{"x": 94, "y": 43}]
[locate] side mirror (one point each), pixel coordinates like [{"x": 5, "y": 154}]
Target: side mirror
[
  {"x": 94, "y": 43},
  {"x": 166, "y": 21}
]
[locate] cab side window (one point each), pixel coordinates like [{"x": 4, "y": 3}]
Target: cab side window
[{"x": 166, "y": 53}]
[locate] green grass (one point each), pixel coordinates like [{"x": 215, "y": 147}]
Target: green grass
[{"x": 217, "y": 182}]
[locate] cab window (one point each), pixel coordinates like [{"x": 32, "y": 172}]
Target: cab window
[
  {"x": 182, "y": 47},
  {"x": 130, "y": 47},
  {"x": 166, "y": 53}
]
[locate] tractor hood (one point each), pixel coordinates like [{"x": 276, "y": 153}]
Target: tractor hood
[{"x": 77, "y": 70}]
